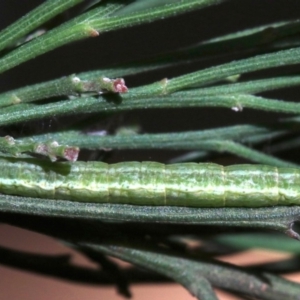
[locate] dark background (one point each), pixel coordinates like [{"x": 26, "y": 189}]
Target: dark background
[
  {"x": 144, "y": 41},
  {"x": 124, "y": 46}
]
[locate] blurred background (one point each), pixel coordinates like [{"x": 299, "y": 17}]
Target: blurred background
[{"x": 124, "y": 46}]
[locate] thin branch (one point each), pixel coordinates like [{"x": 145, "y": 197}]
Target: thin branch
[
  {"x": 91, "y": 23},
  {"x": 90, "y": 82},
  {"x": 245, "y": 152},
  {"x": 201, "y": 140},
  {"x": 50, "y": 148},
  {"x": 91, "y": 140},
  {"x": 173, "y": 266},
  {"x": 275, "y": 242},
  {"x": 24, "y": 112},
  {"x": 213, "y": 74},
  {"x": 263, "y": 38},
  {"x": 276, "y": 218},
  {"x": 44, "y": 12},
  {"x": 68, "y": 86}
]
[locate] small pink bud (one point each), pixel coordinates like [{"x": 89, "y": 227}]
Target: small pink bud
[
  {"x": 119, "y": 86},
  {"x": 71, "y": 153}
]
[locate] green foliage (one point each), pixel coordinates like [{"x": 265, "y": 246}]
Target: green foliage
[{"x": 120, "y": 230}]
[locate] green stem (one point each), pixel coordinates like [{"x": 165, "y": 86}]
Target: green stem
[
  {"x": 245, "y": 152},
  {"x": 275, "y": 218},
  {"x": 93, "y": 22},
  {"x": 44, "y": 12},
  {"x": 243, "y": 241},
  {"x": 236, "y": 102},
  {"x": 213, "y": 74},
  {"x": 27, "y": 112},
  {"x": 68, "y": 86},
  {"x": 286, "y": 145},
  {"x": 211, "y": 140},
  {"x": 154, "y": 141},
  {"x": 149, "y": 15},
  {"x": 48, "y": 148},
  {"x": 260, "y": 38},
  {"x": 246, "y": 87},
  {"x": 172, "y": 265},
  {"x": 71, "y": 31}
]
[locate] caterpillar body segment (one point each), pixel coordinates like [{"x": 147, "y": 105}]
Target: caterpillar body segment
[{"x": 151, "y": 183}]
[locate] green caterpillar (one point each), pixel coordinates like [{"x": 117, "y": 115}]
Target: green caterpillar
[{"x": 152, "y": 183}]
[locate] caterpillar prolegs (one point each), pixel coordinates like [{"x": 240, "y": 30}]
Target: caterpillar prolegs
[{"x": 152, "y": 183}]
